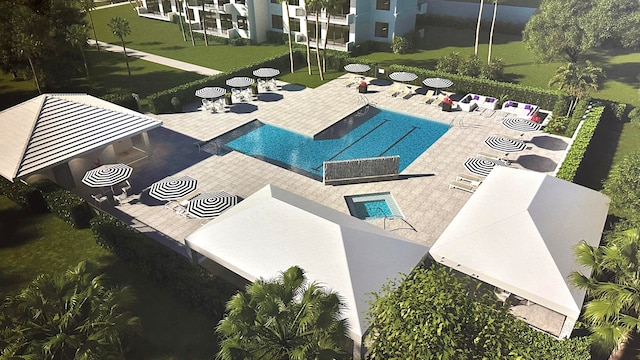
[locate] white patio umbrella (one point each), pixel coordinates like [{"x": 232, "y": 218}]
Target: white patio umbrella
[
  {"x": 522, "y": 125},
  {"x": 107, "y": 175},
  {"x": 173, "y": 189},
  {"x": 403, "y": 76},
  {"x": 210, "y": 92},
  {"x": 208, "y": 205},
  {"x": 266, "y": 73},
  {"x": 240, "y": 82},
  {"x": 357, "y": 68},
  {"x": 437, "y": 83}
]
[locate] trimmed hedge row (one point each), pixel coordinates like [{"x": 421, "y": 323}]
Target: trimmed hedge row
[
  {"x": 574, "y": 156},
  {"x": 195, "y": 284},
  {"x": 160, "y": 102},
  {"x": 45, "y": 196}
]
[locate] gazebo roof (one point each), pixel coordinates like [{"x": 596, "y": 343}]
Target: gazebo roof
[{"x": 53, "y": 128}]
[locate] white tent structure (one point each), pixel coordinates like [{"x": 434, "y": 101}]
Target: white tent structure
[
  {"x": 517, "y": 232},
  {"x": 274, "y": 229}
]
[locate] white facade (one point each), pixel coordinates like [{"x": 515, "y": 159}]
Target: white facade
[{"x": 352, "y": 23}]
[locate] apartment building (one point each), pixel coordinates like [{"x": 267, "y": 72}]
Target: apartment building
[{"x": 354, "y": 22}]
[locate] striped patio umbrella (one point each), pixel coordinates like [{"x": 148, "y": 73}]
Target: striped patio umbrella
[
  {"x": 505, "y": 144},
  {"x": 266, "y": 73},
  {"x": 522, "y": 125},
  {"x": 208, "y": 205},
  {"x": 107, "y": 175},
  {"x": 357, "y": 68},
  {"x": 437, "y": 83},
  {"x": 210, "y": 92},
  {"x": 403, "y": 76},
  {"x": 240, "y": 82},
  {"x": 173, "y": 189},
  {"x": 480, "y": 166}
]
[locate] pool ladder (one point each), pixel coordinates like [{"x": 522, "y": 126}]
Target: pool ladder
[{"x": 385, "y": 217}]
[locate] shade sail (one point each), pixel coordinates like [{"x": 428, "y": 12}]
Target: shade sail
[
  {"x": 274, "y": 229},
  {"x": 107, "y": 175},
  {"x": 517, "y": 232},
  {"x": 173, "y": 189}
]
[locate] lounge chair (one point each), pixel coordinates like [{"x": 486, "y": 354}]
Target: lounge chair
[
  {"x": 428, "y": 97},
  {"x": 350, "y": 80},
  {"x": 99, "y": 198},
  {"x": 463, "y": 186},
  {"x": 207, "y": 105},
  {"x": 405, "y": 93},
  {"x": 495, "y": 156},
  {"x": 438, "y": 100},
  {"x": 393, "y": 91},
  {"x": 472, "y": 179},
  {"x": 121, "y": 199}
]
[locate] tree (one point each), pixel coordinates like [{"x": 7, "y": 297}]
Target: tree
[
  {"x": 288, "y": 28},
  {"x": 316, "y": 6},
  {"x": 180, "y": 20},
  {"x": 186, "y": 13},
  {"x": 77, "y": 35},
  {"x": 120, "y": 28},
  {"x": 623, "y": 187},
  {"x": 284, "y": 318},
  {"x": 577, "y": 80},
  {"x": 613, "y": 310},
  {"x": 493, "y": 26},
  {"x": 87, "y": 6},
  {"x": 204, "y": 26},
  {"x": 435, "y": 313},
  {"x": 330, "y": 7},
  {"x": 72, "y": 315},
  {"x": 478, "y": 27},
  {"x": 306, "y": 24}
]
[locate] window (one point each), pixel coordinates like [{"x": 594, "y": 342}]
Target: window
[
  {"x": 225, "y": 22},
  {"x": 294, "y": 2},
  {"x": 383, "y": 4},
  {"x": 241, "y": 2},
  {"x": 294, "y": 24},
  {"x": 275, "y": 1},
  {"x": 276, "y": 21},
  {"x": 382, "y": 30},
  {"x": 242, "y": 23}
]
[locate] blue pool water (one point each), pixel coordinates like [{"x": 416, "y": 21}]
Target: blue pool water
[
  {"x": 386, "y": 133},
  {"x": 372, "y": 209}
]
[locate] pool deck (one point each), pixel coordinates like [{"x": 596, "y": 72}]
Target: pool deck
[{"x": 422, "y": 191}]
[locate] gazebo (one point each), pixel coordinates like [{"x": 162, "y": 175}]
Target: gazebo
[
  {"x": 61, "y": 136},
  {"x": 517, "y": 233},
  {"x": 274, "y": 229}
]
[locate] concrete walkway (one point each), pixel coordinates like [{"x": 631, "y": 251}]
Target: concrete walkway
[{"x": 156, "y": 59}]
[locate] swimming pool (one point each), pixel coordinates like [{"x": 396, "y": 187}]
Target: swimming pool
[
  {"x": 373, "y": 206},
  {"x": 378, "y": 133}
]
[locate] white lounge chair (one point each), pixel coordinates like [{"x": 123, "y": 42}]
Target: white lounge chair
[
  {"x": 429, "y": 96},
  {"x": 405, "y": 93},
  {"x": 472, "y": 179},
  {"x": 438, "y": 100},
  {"x": 495, "y": 156},
  {"x": 350, "y": 80},
  {"x": 464, "y": 186},
  {"x": 393, "y": 91}
]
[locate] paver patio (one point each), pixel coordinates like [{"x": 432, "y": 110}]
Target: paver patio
[{"x": 422, "y": 191}]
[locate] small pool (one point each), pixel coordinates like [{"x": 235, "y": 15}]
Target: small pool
[
  {"x": 365, "y": 134},
  {"x": 373, "y": 206}
]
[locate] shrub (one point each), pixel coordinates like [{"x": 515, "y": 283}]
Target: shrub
[
  {"x": 66, "y": 205},
  {"x": 195, "y": 284},
  {"x": 471, "y": 67},
  {"x": 494, "y": 70},
  {"x": 619, "y": 110},
  {"x": 123, "y": 99},
  {"x": 450, "y": 63},
  {"x": 276, "y": 37},
  {"x": 27, "y": 196},
  {"x": 557, "y": 125},
  {"x": 400, "y": 45},
  {"x": 623, "y": 187},
  {"x": 574, "y": 156},
  {"x": 634, "y": 116}
]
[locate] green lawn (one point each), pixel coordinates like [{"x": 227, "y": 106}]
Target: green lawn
[
  {"x": 36, "y": 244},
  {"x": 165, "y": 39}
]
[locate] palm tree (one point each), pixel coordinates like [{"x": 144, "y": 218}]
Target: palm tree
[
  {"x": 285, "y": 318},
  {"x": 577, "y": 80},
  {"x": 614, "y": 309},
  {"x": 30, "y": 48},
  {"x": 330, "y": 6},
  {"x": 186, "y": 13},
  {"x": 493, "y": 25},
  {"x": 77, "y": 35},
  {"x": 179, "y": 8},
  {"x": 316, "y": 5},
  {"x": 204, "y": 26},
  {"x": 478, "y": 27},
  {"x": 87, "y": 6},
  {"x": 288, "y": 27},
  {"x": 306, "y": 24},
  {"x": 72, "y": 315},
  {"x": 120, "y": 28}
]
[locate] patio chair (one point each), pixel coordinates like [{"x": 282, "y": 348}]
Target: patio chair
[
  {"x": 121, "y": 199},
  {"x": 405, "y": 93},
  {"x": 99, "y": 198},
  {"x": 350, "y": 80},
  {"x": 463, "y": 186},
  {"x": 393, "y": 91},
  {"x": 437, "y": 101},
  {"x": 207, "y": 104},
  {"x": 262, "y": 83},
  {"x": 428, "y": 97},
  {"x": 273, "y": 85}
]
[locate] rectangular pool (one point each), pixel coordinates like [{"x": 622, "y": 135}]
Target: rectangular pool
[
  {"x": 373, "y": 206},
  {"x": 375, "y": 133}
]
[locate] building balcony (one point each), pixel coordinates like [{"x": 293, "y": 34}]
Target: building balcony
[
  {"x": 238, "y": 9},
  {"x": 422, "y": 7}
]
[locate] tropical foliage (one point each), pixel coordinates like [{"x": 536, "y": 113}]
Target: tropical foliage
[
  {"x": 74, "y": 315},
  {"x": 120, "y": 28},
  {"x": 435, "y": 314},
  {"x": 614, "y": 308},
  {"x": 623, "y": 187},
  {"x": 285, "y": 318},
  {"x": 577, "y": 81}
]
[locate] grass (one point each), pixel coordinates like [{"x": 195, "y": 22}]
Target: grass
[
  {"x": 37, "y": 244},
  {"x": 144, "y": 37}
]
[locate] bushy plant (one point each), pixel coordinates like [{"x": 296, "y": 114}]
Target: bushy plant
[
  {"x": 400, "y": 45},
  {"x": 27, "y": 196},
  {"x": 450, "y": 63},
  {"x": 123, "y": 99},
  {"x": 623, "y": 187},
  {"x": 634, "y": 116},
  {"x": 471, "y": 67},
  {"x": 574, "y": 156},
  {"x": 494, "y": 70},
  {"x": 557, "y": 125},
  {"x": 66, "y": 205}
]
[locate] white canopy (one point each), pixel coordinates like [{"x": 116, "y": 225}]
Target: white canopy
[
  {"x": 517, "y": 232},
  {"x": 274, "y": 229}
]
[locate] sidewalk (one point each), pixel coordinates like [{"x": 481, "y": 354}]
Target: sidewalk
[{"x": 156, "y": 59}]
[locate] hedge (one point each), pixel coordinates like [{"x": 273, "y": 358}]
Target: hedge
[
  {"x": 574, "y": 156},
  {"x": 26, "y": 196},
  {"x": 195, "y": 284},
  {"x": 160, "y": 102}
]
